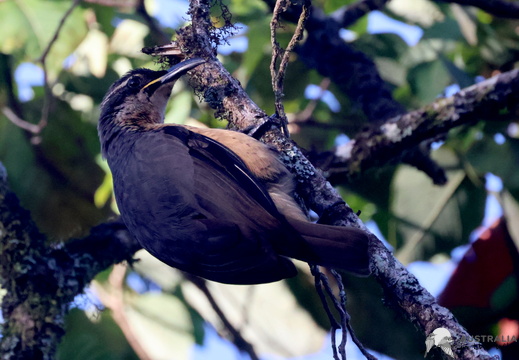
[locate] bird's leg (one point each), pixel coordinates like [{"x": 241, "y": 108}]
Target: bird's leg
[{"x": 263, "y": 125}]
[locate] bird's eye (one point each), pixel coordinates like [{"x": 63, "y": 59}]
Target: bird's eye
[{"x": 134, "y": 83}]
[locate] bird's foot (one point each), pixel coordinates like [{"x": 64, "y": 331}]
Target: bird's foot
[{"x": 264, "y": 124}]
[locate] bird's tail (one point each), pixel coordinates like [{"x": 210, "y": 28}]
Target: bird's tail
[{"x": 338, "y": 247}]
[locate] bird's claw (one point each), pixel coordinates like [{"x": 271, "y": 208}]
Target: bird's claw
[{"x": 264, "y": 124}]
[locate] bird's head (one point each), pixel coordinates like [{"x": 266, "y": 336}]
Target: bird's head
[{"x": 139, "y": 98}]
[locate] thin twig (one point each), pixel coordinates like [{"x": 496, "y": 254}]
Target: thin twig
[
  {"x": 113, "y": 299},
  {"x": 237, "y": 338},
  {"x": 23, "y": 124},
  {"x": 319, "y": 284},
  {"x": 307, "y": 112},
  {"x": 347, "y": 323},
  {"x": 278, "y": 76},
  {"x": 43, "y": 60},
  {"x": 58, "y": 30}
]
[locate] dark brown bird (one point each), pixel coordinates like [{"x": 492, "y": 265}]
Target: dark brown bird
[{"x": 215, "y": 203}]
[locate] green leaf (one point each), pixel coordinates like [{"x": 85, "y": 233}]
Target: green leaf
[
  {"x": 99, "y": 339},
  {"x": 447, "y": 30},
  {"x": 330, "y": 6},
  {"x": 267, "y": 315},
  {"x": 423, "y": 12},
  {"x": 162, "y": 324},
  {"x": 460, "y": 77},
  {"x": 381, "y": 45},
  {"x": 259, "y": 46},
  {"x": 28, "y": 26},
  {"x": 391, "y": 70},
  {"x": 499, "y": 159},
  {"x": 432, "y": 219},
  {"x": 57, "y": 179},
  {"x": 511, "y": 213},
  {"x": 428, "y": 80}
]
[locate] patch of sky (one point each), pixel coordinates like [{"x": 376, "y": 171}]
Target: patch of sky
[
  {"x": 499, "y": 139},
  {"x": 374, "y": 229},
  {"x": 437, "y": 144},
  {"x": 26, "y": 76},
  {"x": 87, "y": 301},
  {"x": 341, "y": 139},
  {"x": 451, "y": 90},
  {"x": 116, "y": 21},
  {"x": 379, "y": 23},
  {"x": 493, "y": 182},
  {"x": 238, "y": 42},
  {"x": 431, "y": 276},
  {"x": 326, "y": 351},
  {"x": 141, "y": 285},
  {"x": 69, "y": 61},
  {"x": 347, "y": 35},
  {"x": 479, "y": 79},
  {"x": 214, "y": 347},
  {"x": 314, "y": 92},
  {"x": 171, "y": 13}
]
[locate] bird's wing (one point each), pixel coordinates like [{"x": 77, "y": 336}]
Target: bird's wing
[
  {"x": 208, "y": 150},
  {"x": 193, "y": 204},
  {"x": 429, "y": 343},
  {"x": 447, "y": 349}
]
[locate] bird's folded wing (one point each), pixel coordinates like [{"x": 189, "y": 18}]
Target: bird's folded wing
[{"x": 201, "y": 210}]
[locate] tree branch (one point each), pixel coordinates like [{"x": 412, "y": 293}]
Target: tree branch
[
  {"x": 225, "y": 95},
  {"x": 41, "y": 281},
  {"x": 388, "y": 142},
  {"x": 278, "y": 75},
  {"x": 351, "y": 70}
]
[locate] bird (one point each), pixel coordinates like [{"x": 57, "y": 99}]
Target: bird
[
  {"x": 215, "y": 203},
  {"x": 442, "y": 338}
]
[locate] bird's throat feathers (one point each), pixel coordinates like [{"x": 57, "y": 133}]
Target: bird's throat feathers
[{"x": 130, "y": 118}]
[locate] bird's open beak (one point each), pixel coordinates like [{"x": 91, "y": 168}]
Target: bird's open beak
[{"x": 174, "y": 73}]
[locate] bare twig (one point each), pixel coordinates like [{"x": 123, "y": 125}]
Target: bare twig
[
  {"x": 113, "y": 299},
  {"x": 278, "y": 76},
  {"x": 346, "y": 317},
  {"x": 43, "y": 60},
  {"x": 236, "y": 336},
  {"x": 307, "y": 112},
  {"x": 319, "y": 285},
  {"x": 54, "y": 38},
  {"x": 23, "y": 124}
]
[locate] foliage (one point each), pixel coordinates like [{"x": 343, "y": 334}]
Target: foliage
[{"x": 60, "y": 176}]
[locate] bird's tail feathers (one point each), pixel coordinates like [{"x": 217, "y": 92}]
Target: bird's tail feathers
[{"x": 338, "y": 247}]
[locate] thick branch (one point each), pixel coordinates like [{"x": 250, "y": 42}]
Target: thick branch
[
  {"x": 387, "y": 143},
  {"x": 230, "y": 101},
  {"x": 42, "y": 281}
]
